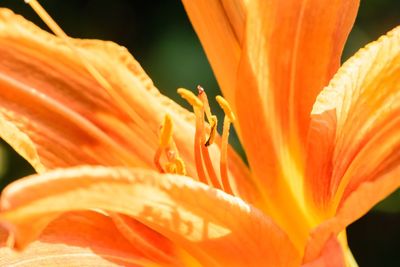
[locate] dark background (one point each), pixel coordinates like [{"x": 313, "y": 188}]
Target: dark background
[{"x": 161, "y": 38}]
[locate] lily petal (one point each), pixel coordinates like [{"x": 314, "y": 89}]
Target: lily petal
[
  {"x": 291, "y": 50},
  {"x": 220, "y": 27},
  {"x": 353, "y": 207},
  {"x": 47, "y": 99},
  {"x": 356, "y": 125},
  {"x": 144, "y": 239},
  {"x": 215, "y": 228},
  {"x": 55, "y": 113},
  {"x": 76, "y": 239},
  {"x": 331, "y": 255},
  {"x": 50, "y": 96}
]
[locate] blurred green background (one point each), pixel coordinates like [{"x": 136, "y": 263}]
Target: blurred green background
[{"x": 161, "y": 38}]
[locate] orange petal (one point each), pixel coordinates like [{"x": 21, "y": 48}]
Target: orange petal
[
  {"x": 51, "y": 100},
  {"x": 358, "y": 203},
  {"x": 355, "y": 132},
  {"x": 220, "y": 27},
  {"x": 291, "y": 50},
  {"x": 55, "y": 113},
  {"x": 148, "y": 242},
  {"x": 76, "y": 239},
  {"x": 62, "y": 109},
  {"x": 215, "y": 228},
  {"x": 330, "y": 256}
]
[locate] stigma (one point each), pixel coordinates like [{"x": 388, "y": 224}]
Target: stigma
[{"x": 167, "y": 159}]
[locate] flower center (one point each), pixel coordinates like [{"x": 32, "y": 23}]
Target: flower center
[
  {"x": 205, "y": 136},
  {"x": 167, "y": 159}
]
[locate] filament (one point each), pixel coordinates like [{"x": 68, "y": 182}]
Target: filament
[
  {"x": 201, "y": 153},
  {"x": 212, "y": 119},
  {"x": 197, "y": 108},
  {"x": 204, "y": 145},
  {"x": 229, "y": 117}
]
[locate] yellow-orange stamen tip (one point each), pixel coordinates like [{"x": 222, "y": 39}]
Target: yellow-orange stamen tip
[
  {"x": 177, "y": 166},
  {"x": 226, "y": 107},
  {"x": 191, "y": 98},
  {"x": 180, "y": 166},
  {"x": 170, "y": 167},
  {"x": 213, "y": 130},
  {"x": 166, "y": 131}
]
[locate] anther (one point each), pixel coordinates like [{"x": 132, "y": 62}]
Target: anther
[
  {"x": 175, "y": 163},
  {"x": 213, "y": 130},
  {"x": 226, "y": 107},
  {"x": 166, "y": 132},
  {"x": 191, "y": 98},
  {"x": 170, "y": 167},
  {"x": 167, "y": 145},
  {"x": 180, "y": 166}
]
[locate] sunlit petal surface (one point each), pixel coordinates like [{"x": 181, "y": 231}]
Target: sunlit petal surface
[
  {"x": 117, "y": 159},
  {"x": 76, "y": 239},
  {"x": 216, "y": 228},
  {"x": 56, "y": 114},
  {"x": 291, "y": 50},
  {"x": 356, "y": 122}
]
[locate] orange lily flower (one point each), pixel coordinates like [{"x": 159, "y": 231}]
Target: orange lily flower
[{"x": 114, "y": 189}]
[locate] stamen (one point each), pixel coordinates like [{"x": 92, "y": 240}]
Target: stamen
[
  {"x": 166, "y": 132},
  {"x": 229, "y": 117},
  {"x": 164, "y": 141},
  {"x": 167, "y": 145},
  {"x": 48, "y": 20},
  {"x": 209, "y": 167},
  {"x": 213, "y": 130},
  {"x": 190, "y": 98},
  {"x": 170, "y": 167},
  {"x": 180, "y": 166},
  {"x": 226, "y": 107},
  {"x": 197, "y": 108},
  {"x": 212, "y": 120},
  {"x": 42, "y": 13},
  {"x": 203, "y": 97},
  {"x": 176, "y": 161},
  {"x": 173, "y": 157}
]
